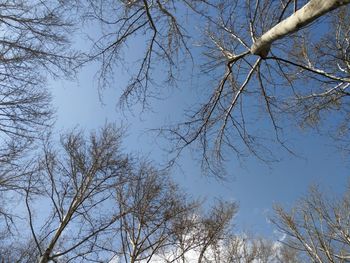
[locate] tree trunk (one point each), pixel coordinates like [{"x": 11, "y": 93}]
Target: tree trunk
[
  {"x": 304, "y": 16},
  {"x": 66, "y": 219},
  {"x": 45, "y": 257}
]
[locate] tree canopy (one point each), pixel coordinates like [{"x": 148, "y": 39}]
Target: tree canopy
[
  {"x": 82, "y": 198},
  {"x": 261, "y": 56}
]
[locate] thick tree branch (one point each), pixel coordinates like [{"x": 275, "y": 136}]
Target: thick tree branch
[{"x": 304, "y": 16}]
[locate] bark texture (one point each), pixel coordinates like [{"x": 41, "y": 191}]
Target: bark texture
[{"x": 304, "y": 16}]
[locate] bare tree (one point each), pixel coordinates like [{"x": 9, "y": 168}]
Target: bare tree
[
  {"x": 34, "y": 44},
  {"x": 165, "y": 38},
  {"x": 318, "y": 226},
  {"x": 155, "y": 204},
  {"x": 259, "y": 54},
  {"x": 198, "y": 237},
  {"x": 69, "y": 198},
  {"x": 244, "y": 249},
  {"x": 215, "y": 227}
]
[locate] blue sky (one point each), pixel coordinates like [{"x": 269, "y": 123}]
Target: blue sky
[{"x": 256, "y": 186}]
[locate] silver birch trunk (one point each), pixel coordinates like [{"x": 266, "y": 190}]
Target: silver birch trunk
[{"x": 304, "y": 16}]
